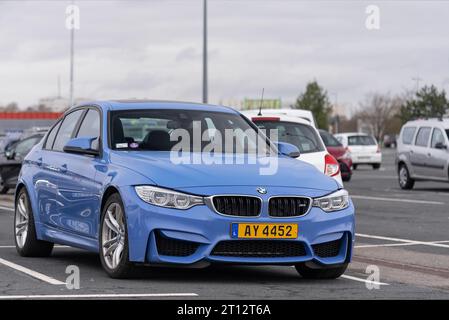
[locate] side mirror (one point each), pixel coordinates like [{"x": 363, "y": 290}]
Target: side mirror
[
  {"x": 288, "y": 149},
  {"x": 81, "y": 146},
  {"x": 10, "y": 154},
  {"x": 440, "y": 145}
]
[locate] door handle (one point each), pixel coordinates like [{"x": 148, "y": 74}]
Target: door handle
[{"x": 64, "y": 168}]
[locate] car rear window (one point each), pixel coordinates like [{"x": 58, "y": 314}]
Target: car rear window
[
  {"x": 361, "y": 141},
  {"x": 303, "y": 136},
  {"x": 407, "y": 135}
]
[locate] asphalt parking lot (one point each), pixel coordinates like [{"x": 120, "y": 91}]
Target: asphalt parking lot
[{"x": 402, "y": 234}]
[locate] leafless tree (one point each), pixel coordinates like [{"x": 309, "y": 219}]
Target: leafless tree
[{"x": 378, "y": 110}]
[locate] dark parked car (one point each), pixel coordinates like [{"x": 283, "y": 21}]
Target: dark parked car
[
  {"x": 339, "y": 152},
  {"x": 12, "y": 163}
]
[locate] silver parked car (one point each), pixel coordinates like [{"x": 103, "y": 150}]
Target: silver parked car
[{"x": 423, "y": 152}]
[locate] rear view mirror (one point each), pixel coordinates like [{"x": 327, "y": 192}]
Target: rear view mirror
[
  {"x": 440, "y": 145},
  {"x": 81, "y": 146}
]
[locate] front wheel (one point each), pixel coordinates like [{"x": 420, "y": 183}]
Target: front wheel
[
  {"x": 405, "y": 182},
  {"x": 376, "y": 166},
  {"x": 323, "y": 273},
  {"x": 114, "y": 239},
  {"x": 27, "y": 244}
]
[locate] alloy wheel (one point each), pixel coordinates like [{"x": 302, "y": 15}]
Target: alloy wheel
[
  {"x": 21, "y": 225},
  {"x": 403, "y": 176},
  {"x": 113, "y": 235}
]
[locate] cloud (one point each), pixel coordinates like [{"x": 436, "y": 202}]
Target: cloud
[{"x": 153, "y": 49}]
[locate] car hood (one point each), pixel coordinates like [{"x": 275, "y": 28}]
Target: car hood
[{"x": 158, "y": 167}]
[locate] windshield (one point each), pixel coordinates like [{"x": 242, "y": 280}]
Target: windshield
[
  {"x": 329, "y": 140},
  {"x": 199, "y": 131},
  {"x": 361, "y": 141},
  {"x": 303, "y": 136}
]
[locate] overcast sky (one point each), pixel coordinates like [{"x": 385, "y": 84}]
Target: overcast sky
[{"x": 152, "y": 49}]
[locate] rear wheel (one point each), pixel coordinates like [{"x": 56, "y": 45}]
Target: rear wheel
[
  {"x": 323, "y": 273},
  {"x": 376, "y": 166},
  {"x": 114, "y": 239},
  {"x": 27, "y": 244},
  {"x": 405, "y": 182}
]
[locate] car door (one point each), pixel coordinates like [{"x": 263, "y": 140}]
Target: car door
[
  {"x": 418, "y": 154},
  {"x": 70, "y": 196},
  {"x": 437, "y": 155}
]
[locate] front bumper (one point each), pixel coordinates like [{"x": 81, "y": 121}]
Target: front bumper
[{"x": 193, "y": 234}]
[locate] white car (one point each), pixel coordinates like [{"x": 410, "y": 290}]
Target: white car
[
  {"x": 364, "y": 148},
  {"x": 303, "y": 135}
]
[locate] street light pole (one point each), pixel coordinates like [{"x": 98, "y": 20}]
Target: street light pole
[
  {"x": 205, "y": 93},
  {"x": 72, "y": 49}
]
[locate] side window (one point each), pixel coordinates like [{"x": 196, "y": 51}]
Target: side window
[
  {"x": 90, "y": 127},
  {"x": 51, "y": 136},
  {"x": 422, "y": 138},
  {"x": 407, "y": 135},
  {"x": 66, "y": 130},
  {"x": 437, "y": 137},
  {"x": 24, "y": 146}
]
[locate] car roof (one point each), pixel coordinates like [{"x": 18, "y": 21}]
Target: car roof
[
  {"x": 305, "y": 115},
  {"x": 430, "y": 122},
  {"x": 347, "y": 134},
  {"x": 281, "y": 118},
  {"x": 117, "y": 105}
]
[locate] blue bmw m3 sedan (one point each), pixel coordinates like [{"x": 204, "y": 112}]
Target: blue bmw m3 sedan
[{"x": 173, "y": 183}]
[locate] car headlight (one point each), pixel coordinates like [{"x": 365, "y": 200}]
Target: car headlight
[
  {"x": 167, "y": 198},
  {"x": 335, "y": 201}
]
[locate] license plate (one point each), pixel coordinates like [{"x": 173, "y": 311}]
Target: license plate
[{"x": 264, "y": 230}]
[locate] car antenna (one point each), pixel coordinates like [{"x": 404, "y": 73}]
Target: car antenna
[{"x": 261, "y": 102}]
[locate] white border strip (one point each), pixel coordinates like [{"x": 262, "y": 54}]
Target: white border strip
[
  {"x": 99, "y": 296},
  {"x": 31, "y": 273}
]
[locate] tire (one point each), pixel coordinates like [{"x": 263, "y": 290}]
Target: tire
[
  {"x": 354, "y": 167},
  {"x": 376, "y": 166},
  {"x": 346, "y": 178},
  {"x": 3, "y": 189},
  {"x": 323, "y": 273},
  {"x": 27, "y": 244},
  {"x": 114, "y": 256},
  {"x": 405, "y": 182}
]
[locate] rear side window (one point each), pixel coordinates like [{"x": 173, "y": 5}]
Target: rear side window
[
  {"x": 90, "y": 127},
  {"x": 24, "y": 146},
  {"x": 51, "y": 136},
  {"x": 361, "y": 141},
  {"x": 329, "y": 140},
  {"x": 66, "y": 130},
  {"x": 407, "y": 135},
  {"x": 422, "y": 138}
]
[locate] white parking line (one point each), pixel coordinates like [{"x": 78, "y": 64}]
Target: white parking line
[
  {"x": 397, "y": 244},
  {"x": 397, "y": 200},
  {"x": 364, "y": 280},
  {"x": 31, "y": 273},
  {"x": 428, "y": 243},
  {"x": 99, "y": 296},
  {"x": 7, "y": 208}
]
